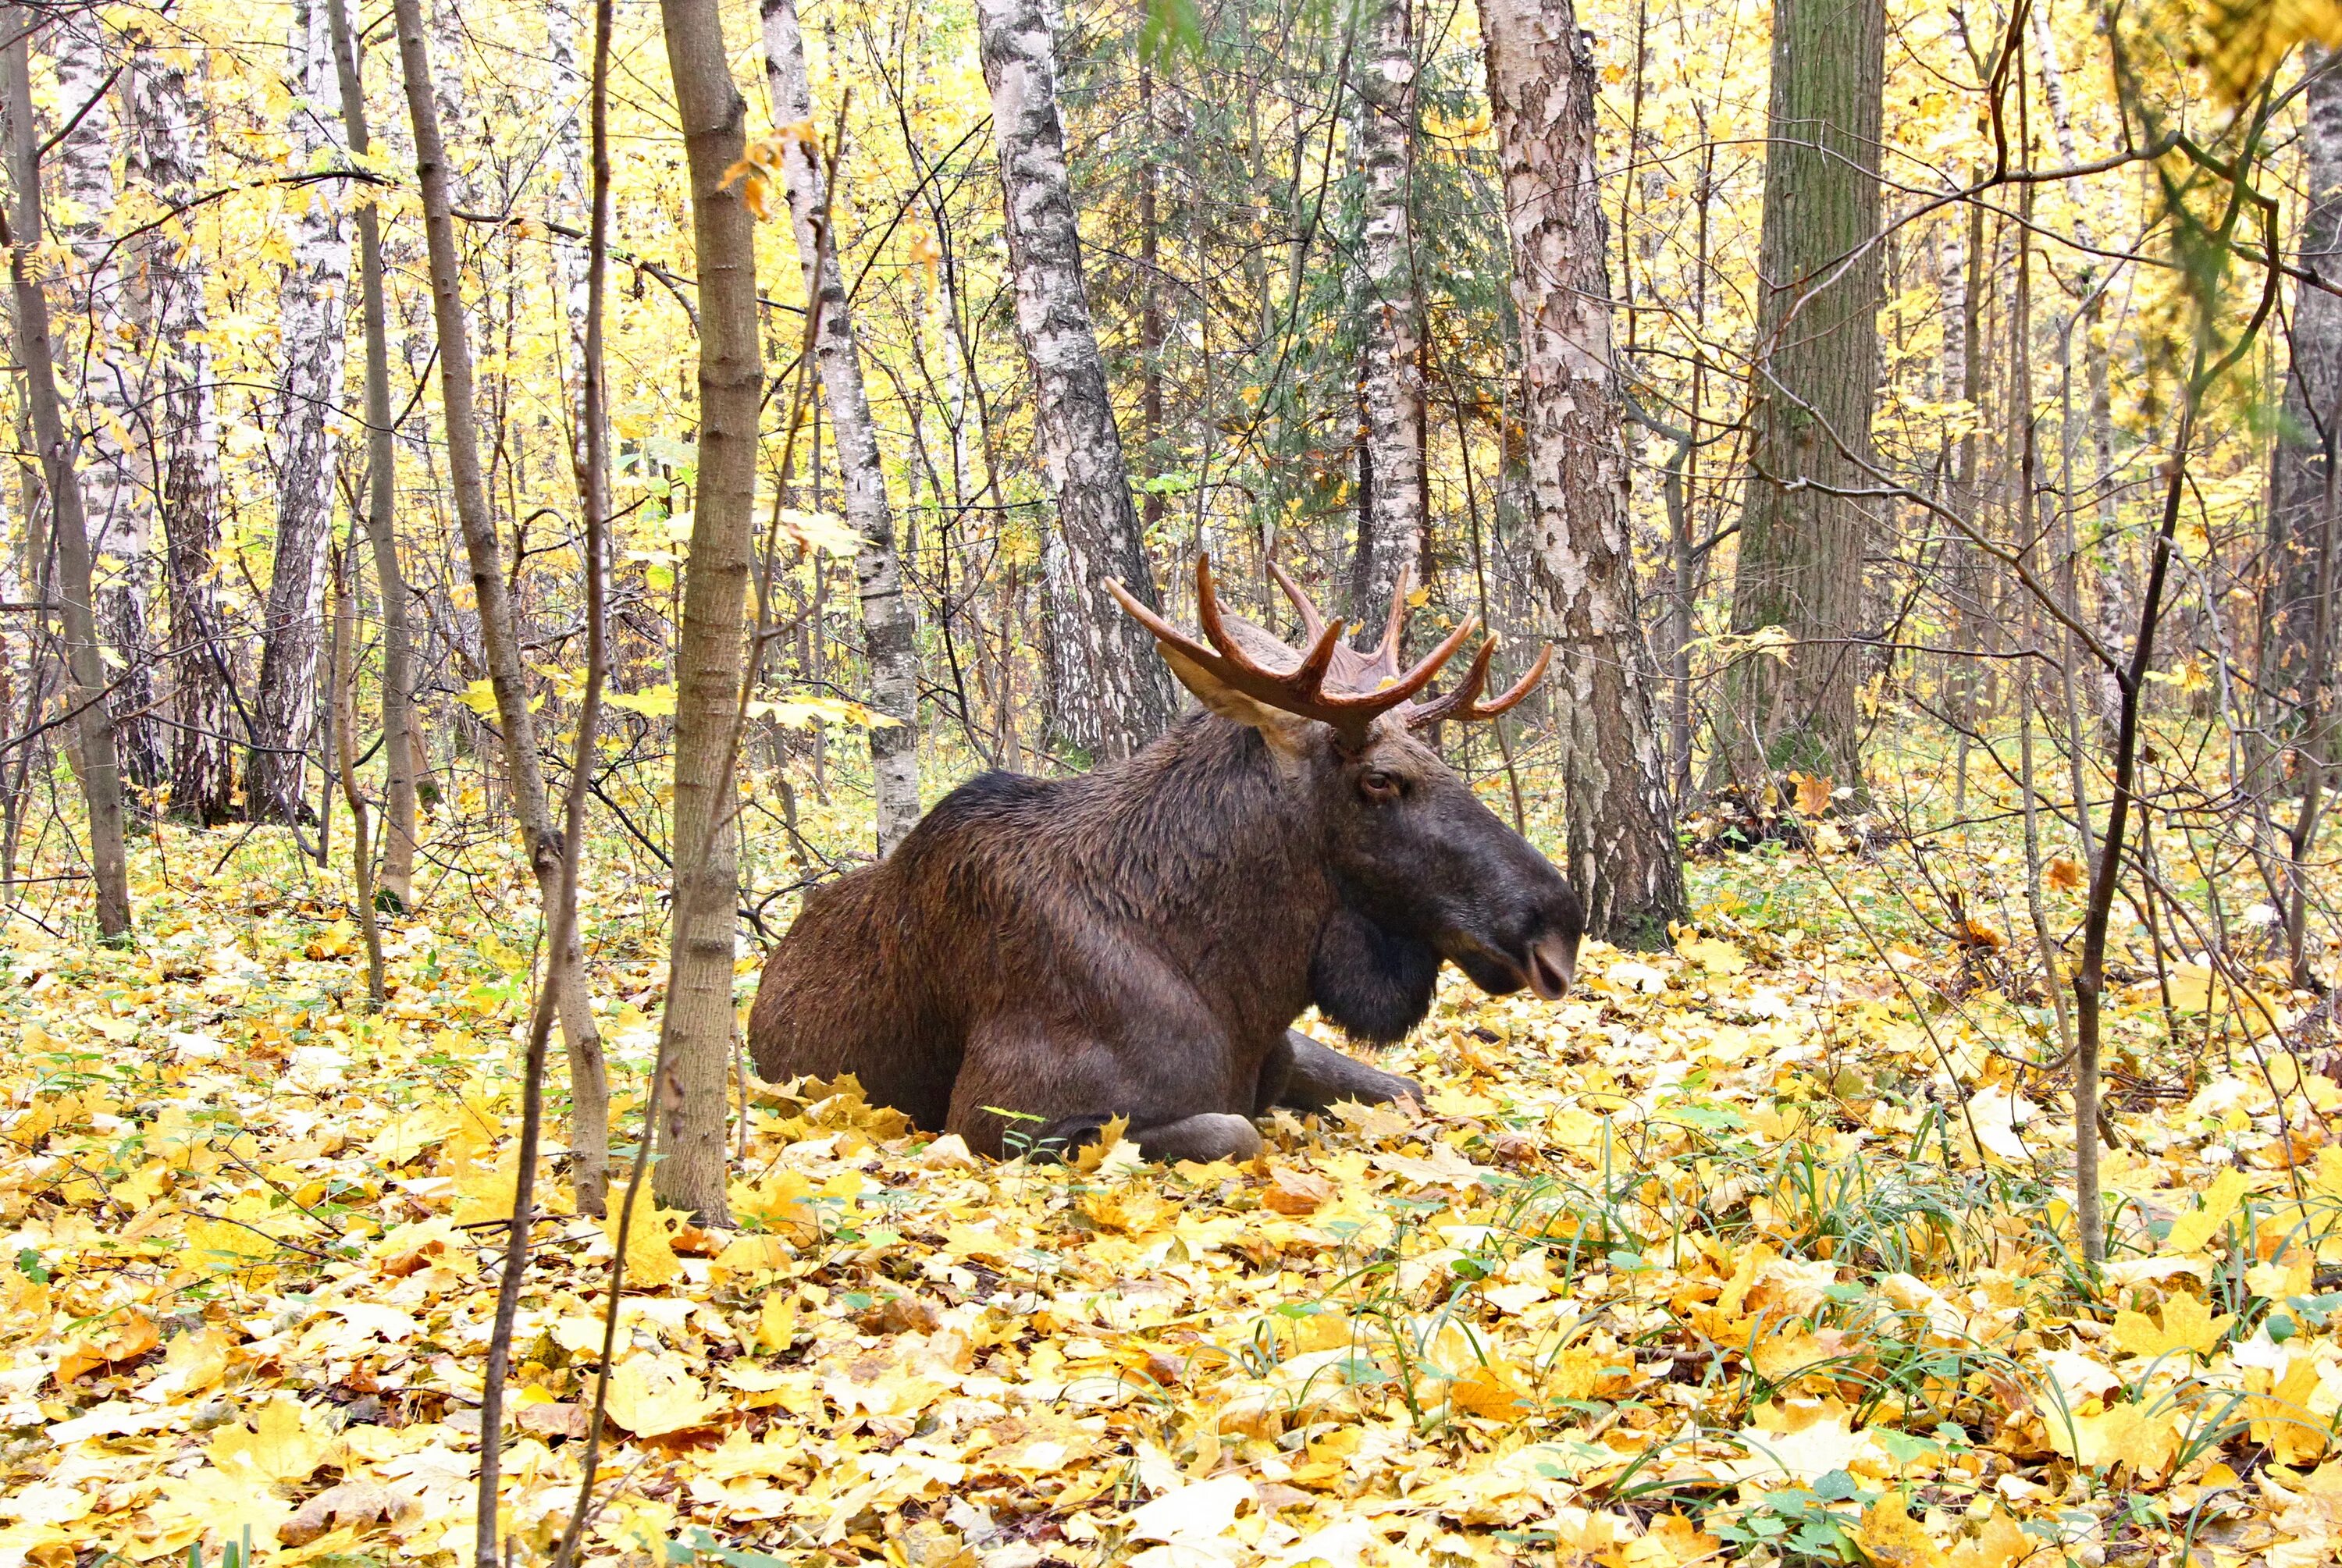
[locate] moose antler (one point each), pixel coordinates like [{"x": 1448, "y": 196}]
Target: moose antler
[
  {"x": 1302, "y": 689},
  {"x": 1464, "y": 705}
]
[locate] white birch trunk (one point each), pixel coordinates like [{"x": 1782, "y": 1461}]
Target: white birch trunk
[
  {"x": 1112, "y": 693},
  {"x": 1390, "y": 518},
  {"x": 313, "y": 307},
  {"x": 886, "y": 620},
  {"x": 101, "y": 375},
  {"x": 1623, "y": 852},
  {"x": 169, "y": 153}
]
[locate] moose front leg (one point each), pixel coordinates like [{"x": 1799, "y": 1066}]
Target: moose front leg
[
  {"x": 1204, "y": 1137},
  {"x": 1316, "y": 1078}
]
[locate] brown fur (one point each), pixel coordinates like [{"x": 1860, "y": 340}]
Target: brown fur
[{"x": 1135, "y": 941}]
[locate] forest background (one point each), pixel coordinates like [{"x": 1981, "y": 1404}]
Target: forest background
[{"x": 642, "y": 455}]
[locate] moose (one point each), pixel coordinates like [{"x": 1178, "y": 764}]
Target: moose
[{"x": 1038, "y": 957}]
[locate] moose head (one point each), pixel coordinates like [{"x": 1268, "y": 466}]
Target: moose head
[
  {"x": 1038, "y": 957},
  {"x": 1424, "y": 871}
]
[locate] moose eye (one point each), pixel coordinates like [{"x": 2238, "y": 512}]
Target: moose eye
[{"x": 1378, "y": 785}]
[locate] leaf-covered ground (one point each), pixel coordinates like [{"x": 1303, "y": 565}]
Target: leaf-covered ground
[{"x": 1755, "y": 1253}]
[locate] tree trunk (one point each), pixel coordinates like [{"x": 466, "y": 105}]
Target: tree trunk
[
  {"x": 1801, "y": 550},
  {"x": 886, "y": 613},
  {"x": 1622, "y": 851},
  {"x": 168, "y": 153},
  {"x": 2307, "y": 436},
  {"x": 709, "y": 664},
  {"x": 1112, "y": 692},
  {"x": 1390, "y": 377},
  {"x": 105, "y": 370},
  {"x": 589, "y": 1130},
  {"x": 92, "y": 726},
  {"x": 381, "y": 507},
  {"x": 312, "y": 309}
]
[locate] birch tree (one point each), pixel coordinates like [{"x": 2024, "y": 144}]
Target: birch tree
[
  {"x": 168, "y": 155},
  {"x": 1110, "y": 692},
  {"x": 1815, "y": 379},
  {"x": 102, "y": 367},
  {"x": 1622, "y": 851},
  {"x": 709, "y": 654},
  {"x": 1391, "y": 479},
  {"x": 312, "y": 309},
  {"x": 887, "y": 622},
  {"x": 92, "y": 730}
]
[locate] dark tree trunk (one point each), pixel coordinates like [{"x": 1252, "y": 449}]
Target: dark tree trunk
[
  {"x": 1801, "y": 549},
  {"x": 92, "y": 732},
  {"x": 169, "y": 149},
  {"x": 2308, "y": 439}
]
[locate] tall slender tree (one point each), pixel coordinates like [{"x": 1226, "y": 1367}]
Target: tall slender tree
[
  {"x": 1390, "y": 449},
  {"x": 92, "y": 726},
  {"x": 2308, "y": 440},
  {"x": 103, "y": 368},
  {"x": 709, "y": 655},
  {"x": 312, "y": 307},
  {"x": 1622, "y": 851},
  {"x": 1110, "y": 694},
  {"x": 169, "y": 151},
  {"x": 1814, "y": 379},
  {"x": 886, "y": 613},
  {"x": 381, "y": 499},
  {"x": 491, "y": 591}
]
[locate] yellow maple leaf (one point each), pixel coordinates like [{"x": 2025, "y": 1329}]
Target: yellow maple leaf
[
  {"x": 280, "y": 1444},
  {"x": 1891, "y": 1538},
  {"x": 650, "y": 1242},
  {"x": 2187, "y": 1325},
  {"x": 2249, "y": 37},
  {"x": 650, "y": 1394},
  {"x": 2128, "y": 1435},
  {"x": 2282, "y": 1417},
  {"x": 2191, "y": 1232},
  {"x": 1999, "y": 1543},
  {"x": 781, "y": 1201}
]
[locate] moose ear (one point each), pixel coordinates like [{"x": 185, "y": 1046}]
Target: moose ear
[{"x": 1283, "y": 730}]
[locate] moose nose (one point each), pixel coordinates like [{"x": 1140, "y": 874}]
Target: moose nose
[{"x": 1552, "y": 966}]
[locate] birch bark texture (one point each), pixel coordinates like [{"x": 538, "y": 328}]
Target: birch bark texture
[
  {"x": 168, "y": 154},
  {"x": 93, "y": 727},
  {"x": 1390, "y": 515},
  {"x": 103, "y": 372},
  {"x": 1816, "y": 378},
  {"x": 710, "y": 660},
  {"x": 1110, "y": 692},
  {"x": 312, "y": 308},
  {"x": 887, "y": 622},
  {"x": 1622, "y": 851},
  {"x": 499, "y": 639},
  {"x": 2309, "y": 436},
  {"x": 381, "y": 499}
]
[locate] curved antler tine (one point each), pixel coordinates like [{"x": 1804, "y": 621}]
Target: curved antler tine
[
  {"x": 1164, "y": 631},
  {"x": 1519, "y": 689},
  {"x": 1313, "y": 620},
  {"x": 1464, "y": 705},
  {"x": 1299, "y": 684},
  {"x": 1455, "y": 702},
  {"x": 1415, "y": 679},
  {"x": 1386, "y": 653}
]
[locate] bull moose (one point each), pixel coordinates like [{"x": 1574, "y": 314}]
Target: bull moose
[{"x": 1045, "y": 955}]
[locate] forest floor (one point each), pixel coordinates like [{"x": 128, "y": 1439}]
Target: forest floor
[{"x": 1757, "y": 1251}]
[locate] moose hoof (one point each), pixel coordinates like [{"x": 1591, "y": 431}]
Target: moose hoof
[{"x": 1214, "y": 1135}]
